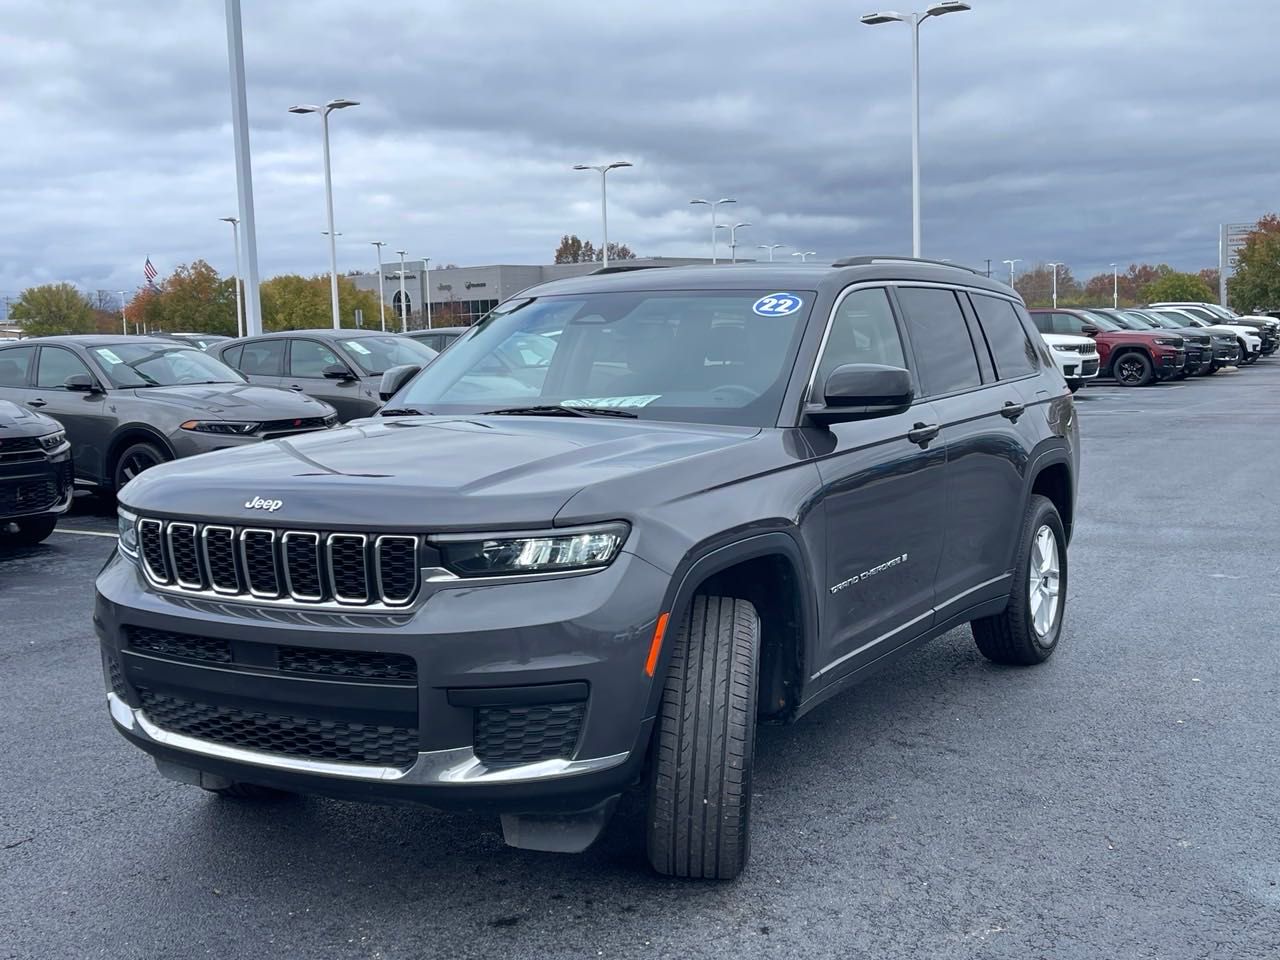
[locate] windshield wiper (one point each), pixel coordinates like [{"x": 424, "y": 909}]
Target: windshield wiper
[
  {"x": 557, "y": 411},
  {"x": 401, "y": 412}
]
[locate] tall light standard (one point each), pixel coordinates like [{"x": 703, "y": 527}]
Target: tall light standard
[
  {"x": 404, "y": 319},
  {"x": 915, "y": 19},
  {"x": 1054, "y": 267},
  {"x": 603, "y": 169},
  {"x": 382, "y": 297},
  {"x": 338, "y": 104},
  {"x": 235, "y": 238},
  {"x": 770, "y": 247},
  {"x": 713, "y": 204},
  {"x": 124, "y": 320},
  {"x": 804, "y": 257},
  {"x": 1010, "y": 264},
  {"x": 244, "y": 172},
  {"x": 1115, "y": 287},
  {"x": 426, "y": 285},
  {"x": 733, "y": 241}
]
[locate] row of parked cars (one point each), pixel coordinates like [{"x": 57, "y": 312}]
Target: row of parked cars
[{"x": 1163, "y": 341}]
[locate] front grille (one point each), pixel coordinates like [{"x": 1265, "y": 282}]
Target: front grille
[
  {"x": 20, "y": 445},
  {"x": 284, "y": 428},
  {"x": 349, "y": 569},
  {"x": 348, "y": 664},
  {"x": 505, "y": 736},
  {"x": 30, "y": 496},
  {"x": 182, "y": 646},
  {"x": 288, "y": 735}
]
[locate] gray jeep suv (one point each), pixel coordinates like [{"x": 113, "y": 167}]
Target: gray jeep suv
[{"x": 723, "y": 496}]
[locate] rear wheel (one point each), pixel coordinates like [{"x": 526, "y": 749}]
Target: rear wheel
[
  {"x": 700, "y": 776},
  {"x": 1133, "y": 370},
  {"x": 136, "y": 459},
  {"x": 1027, "y": 632},
  {"x": 29, "y": 531}
]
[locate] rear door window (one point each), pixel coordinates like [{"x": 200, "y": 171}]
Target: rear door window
[
  {"x": 1011, "y": 349},
  {"x": 940, "y": 339},
  {"x": 231, "y": 356},
  {"x": 14, "y": 364},
  {"x": 263, "y": 358}
]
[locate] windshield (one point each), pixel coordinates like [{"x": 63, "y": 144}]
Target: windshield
[
  {"x": 154, "y": 365},
  {"x": 1125, "y": 322},
  {"x": 376, "y": 355},
  {"x": 1141, "y": 320},
  {"x": 1100, "y": 321},
  {"x": 710, "y": 357},
  {"x": 1160, "y": 320}
]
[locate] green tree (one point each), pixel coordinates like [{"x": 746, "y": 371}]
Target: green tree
[
  {"x": 1177, "y": 286},
  {"x": 196, "y": 298},
  {"x": 293, "y": 302},
  {"x": 52, "y": 309},
  {"x": 1256, "y": 284}
]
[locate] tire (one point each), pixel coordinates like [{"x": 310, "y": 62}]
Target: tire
[
  {"x": 1014, "y": 637},
  {"x": 30, "y": 530},
  {"x": 251, "y": 792},
  {"x": 1133, "y": 369},
  {"x": 699, "y": 815},
  {"x": 1074, "y": 385},
  {"x": 134, "y": 459},
  {"x": 1212, "y": 370}
]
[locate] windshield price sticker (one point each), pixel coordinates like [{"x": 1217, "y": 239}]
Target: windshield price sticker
[
  {"x": 358, "y": 347},
  {"x": 109, "y": 356},
  {"x": 777, "y": 305},
  {"x": 641, "y": 401}
]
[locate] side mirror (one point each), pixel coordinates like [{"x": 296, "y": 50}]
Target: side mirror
[
  {"x": 337, "y": 371},
  {"x": 81, "y": 383},
  {"x": 858, "y": 391},
  {"x": 1089, "y": 330},
  {"x": 395, "y": 378}
]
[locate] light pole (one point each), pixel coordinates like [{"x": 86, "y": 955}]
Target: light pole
[
  {"x": 603, "y": 169},
  {"x": 804, "y": 257},
  {"x": 382, "y": 297},
  {"x": 124, "y": 320},
  {"x": 235, "y": 239},
  {"x": 1010, "y": 264},
  {"x": 733, "y": 241},
  {"x": 770, "y": 247},
  {"x": 1115, "y": 287},
  {"x": 244, "y": 171},
  {"x": 338, "y": 104},
  {"x": 426, "y": 285},
  {"x": 1054, "y": 267},
  {"x": 915, "y": 19},
  {"x": 713, "y": 204},
  {"x": 404, "y": 319}
]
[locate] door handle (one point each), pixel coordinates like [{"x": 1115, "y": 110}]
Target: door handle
[
  {"x": 1012, "y": 411},
  {"x": 294, "y": 386},
  {"x": 37, "y": 402},
  {"x": 922, "y": 433}
]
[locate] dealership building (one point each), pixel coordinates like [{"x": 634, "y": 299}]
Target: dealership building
[{"x": 462, "y": 295}]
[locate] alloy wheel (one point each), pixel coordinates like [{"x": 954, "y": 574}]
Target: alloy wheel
[
  {"x": 1042, "y": 582},
  {"x": 1129, "y": 370}
]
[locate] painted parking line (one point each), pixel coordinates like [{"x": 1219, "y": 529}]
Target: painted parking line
[{"x": 86, "y": 533}]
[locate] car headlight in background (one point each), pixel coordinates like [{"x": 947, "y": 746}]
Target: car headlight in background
[
  {"x": 127, "y": 531},
  {"x": 499, "y": 555},
  {"x": 1166, "y": 342},
  {"x": 225, "y": 427},
  {"x": 53, "y": 441}
]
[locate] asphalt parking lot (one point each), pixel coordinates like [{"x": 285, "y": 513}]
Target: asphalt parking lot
[{"x": 1120, "y": 801}]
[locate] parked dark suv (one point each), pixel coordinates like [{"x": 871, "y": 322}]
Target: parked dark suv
[
  {"x": 728, "y": 494},
  {"x": 36, "y": 482}
]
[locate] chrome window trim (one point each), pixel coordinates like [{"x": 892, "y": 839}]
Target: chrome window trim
[
  {"x": 195, "y": 548},
  {"x": 377, "y": 567},
  {"x": 284, "y": 558},
  {"x": 161, "y": 578},
  {"x": 333, "y": 582},
  {"x": 235, "y": 559},
  {"x": 244, "y": 563}
]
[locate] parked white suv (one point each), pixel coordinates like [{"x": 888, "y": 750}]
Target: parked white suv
[
  {"x": 1076, "y": 357},
  {"x": 1248, "y": 337}
]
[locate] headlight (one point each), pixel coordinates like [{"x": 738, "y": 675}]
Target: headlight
[
  {"x": 127, "y": 530},
  {"x": 1065, "y": 348},
  {"x": 1168, "y": 342},
  {"x": 54, "y": 440},
  {"x": 508, "y": 555},
  {"x": 225, "y": 427}
]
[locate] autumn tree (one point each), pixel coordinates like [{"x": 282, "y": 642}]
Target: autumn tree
[
  {"x": 196, "y": 298},
  {"x": 1036, "y": 286},
  {"x": 572, "y": 249},
  {"x": 52, "y": 309},
  {"x": 1256, "y": 284},
  {"x": 1176, "y": 287}
]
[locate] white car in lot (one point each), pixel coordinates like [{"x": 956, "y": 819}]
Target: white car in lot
[
  {"x": 1076, "y": 357},
  {"x": 1248, "y": 337}
]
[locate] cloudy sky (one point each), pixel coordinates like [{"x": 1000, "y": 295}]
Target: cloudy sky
[{"x": 1075, "y": 130}]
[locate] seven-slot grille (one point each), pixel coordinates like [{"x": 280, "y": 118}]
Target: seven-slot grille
[{"x": 351, "y": 569}]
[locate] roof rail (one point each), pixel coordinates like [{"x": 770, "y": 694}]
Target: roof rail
[
  {"x": 628, "y": 267},
  {"x": 867, "y": 261}
]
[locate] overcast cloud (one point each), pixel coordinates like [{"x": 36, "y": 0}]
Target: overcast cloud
[{"x": 1087, "y": 132}]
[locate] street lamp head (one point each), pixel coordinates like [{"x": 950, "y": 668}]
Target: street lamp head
[
  {"x": 699, "y": 201},
  {"x": 618, "y": 163},
  {"x": 229, "y": 219},
  {"x": 304, "y": 108},
  {"x": 726, "y": 200},
  {"x": 888, "y": 16},
  {"x": 738, "y": 226},
  {"x": 341, "y": 103},
  {"x": 378, "y": 243},
  {"x": 401, "y": 252},
  {"x": 583, "y": 166},
  {"x": 952, "y": 6}
]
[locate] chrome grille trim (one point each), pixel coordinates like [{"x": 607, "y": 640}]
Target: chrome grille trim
[
  {"x": 230, "y": 532},
  {"x": 156, "y": 529},
  {"x": 285, "y": 539},
  {"x": 333, "y": 580},
  {"x": 377, "y": 568},
  {"x": 248, "y": 569},
  {"x": 184, "y": 530}
]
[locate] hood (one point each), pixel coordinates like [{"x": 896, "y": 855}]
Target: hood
[
  {"x": 1226, "y": 330},
  {"x": 16, "y": 421},
  {"x": 435, "y": 473},
  {"x": 1067, "y": 340},
  {"x": 235, "y": 401}
]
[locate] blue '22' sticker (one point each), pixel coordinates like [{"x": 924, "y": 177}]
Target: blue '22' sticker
[{"x": 777, "y": 305}]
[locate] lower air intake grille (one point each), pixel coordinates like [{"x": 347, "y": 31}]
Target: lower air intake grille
[
  {"x": 282, "y": 734},
  {"x": 115, "y": 675},
  {"x": 29, "y": 497},
  {"x": 182, "y": 646},
  {"x": 505, "y": 736},
  {"x": 347, "y": 664}
]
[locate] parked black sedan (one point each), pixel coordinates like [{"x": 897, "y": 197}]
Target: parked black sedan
[
  {"x": 35, "y": 475},
  {"x": 340, "y": 367},
  {"x": 128, "y": 403}
]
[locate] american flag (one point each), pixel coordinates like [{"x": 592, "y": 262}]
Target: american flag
[{"x": 149, "y": 272}]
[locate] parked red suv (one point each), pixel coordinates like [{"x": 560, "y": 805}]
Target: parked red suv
[{"x": 1134, "y": 358}]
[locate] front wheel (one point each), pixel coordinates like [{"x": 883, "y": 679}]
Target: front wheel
[
  {"x": 1075, "y": 385},
  {"x": 1134, "y": 370},
  {"x": 1027, "y": 632},
  {"x": 700, "y": 776},
  {"x": 135, "y": 459},
  {"x": 30, "y": 530}
]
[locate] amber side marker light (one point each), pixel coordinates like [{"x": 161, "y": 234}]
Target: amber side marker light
[{"x": 656, "y": 647}]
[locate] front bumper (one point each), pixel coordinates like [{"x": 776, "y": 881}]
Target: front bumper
[
  {"x": 240, "y": 717},
  {"x": 36, "y": 487}
]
